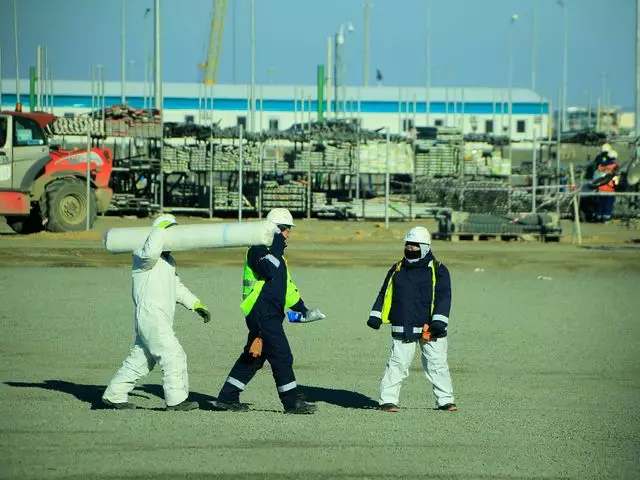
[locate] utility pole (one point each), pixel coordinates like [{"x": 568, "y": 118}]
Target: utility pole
[
  {"x": 252, "y": 119},
  {"x": 637, "y": 120},
  {"x": 158, "y": 71},
  {"x": 534, "y": 34},
  {"x": 428, "y": 48},
  {"x": 123, "y": 93},
  {"x": 15, "y": 34},
  {"x": 367, "y": 24}
]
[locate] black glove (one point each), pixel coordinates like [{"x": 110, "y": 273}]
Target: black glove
[
  {"x": 278, "y": 245},
  {"x": 203, "y": 311},
  {"x": 437, "y": 328},
  {"x": 374, "y": 322}
]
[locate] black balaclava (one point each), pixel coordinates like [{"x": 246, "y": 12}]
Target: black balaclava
[{"x": 415, "y": 255}]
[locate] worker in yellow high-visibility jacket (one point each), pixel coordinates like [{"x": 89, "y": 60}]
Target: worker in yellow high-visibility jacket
[
  {"x": 415, "y": 299},
  {"x": 267, "y": 291}
]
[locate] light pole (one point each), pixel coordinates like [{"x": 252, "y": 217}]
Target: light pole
[
  {"x": 15, "y": 35},
  {"x": 339, "y": 66},
  {"x": 123, "y": 62},
  {"x": 146, "y": 64},
  {"x": 564, "y": 62},
  {"x": 157, "y": 54},
  {"x": 534, "y": 34},
  {"x": 637, "y": 121},
  {"x": 365, "y": 63},
  {"x": 131, "y": 71},
  {"x": 428, "y": 60},
  {"x": 514, "y": 19},
  {"x": 252, "y": 94}
]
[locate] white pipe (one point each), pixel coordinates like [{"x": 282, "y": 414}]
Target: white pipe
[{"x": 193, "y": 236}]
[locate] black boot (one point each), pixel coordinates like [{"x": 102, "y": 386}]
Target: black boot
[
  {"x": 184, "y": 406},
  {"x": 301, "y": 408}
]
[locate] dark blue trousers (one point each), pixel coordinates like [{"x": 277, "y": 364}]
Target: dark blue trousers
[
  {"x": 275, "y": 350},
  {"x": 605, "y": 206}
]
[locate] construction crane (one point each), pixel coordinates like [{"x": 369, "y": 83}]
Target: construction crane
[{"x": 215, "y": 43}]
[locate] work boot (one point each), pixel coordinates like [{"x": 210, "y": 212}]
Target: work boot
[
  {"x": 183, "y": 406},
  {"x": 449, "y": 407},
  {"x": 120, "y": 405},
  {"x": 231, "y": 406},
  {"x": 389, "y": 407},
  {"x": 301, "y": 408}
]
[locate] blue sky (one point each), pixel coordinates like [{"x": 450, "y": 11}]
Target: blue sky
[{"x": 469, "y": 41}]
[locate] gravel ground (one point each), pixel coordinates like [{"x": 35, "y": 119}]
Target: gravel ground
[{"x": 546, "y": 372}]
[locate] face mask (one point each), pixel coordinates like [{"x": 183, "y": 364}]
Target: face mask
[{"x": 412, "y": 254}]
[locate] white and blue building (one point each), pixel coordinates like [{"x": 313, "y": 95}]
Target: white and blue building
[{"x": 278, "y": 107}]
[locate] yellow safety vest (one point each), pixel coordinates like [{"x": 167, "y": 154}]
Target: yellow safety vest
[
  {"x": 252, "y": 286},
  {"x": 388, "y": 293}
]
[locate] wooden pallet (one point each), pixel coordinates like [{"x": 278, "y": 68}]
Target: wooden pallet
[{"x": 504, "y": 237}]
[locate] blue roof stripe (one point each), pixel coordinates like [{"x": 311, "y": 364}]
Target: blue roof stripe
[{"x": 268, "y": 105}]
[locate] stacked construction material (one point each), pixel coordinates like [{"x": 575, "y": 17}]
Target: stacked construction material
[
  {"x": 122, "y": 120},
  {"x": 449, "y": 135},
  {"x": 318, "y": 200},
  {"x": 373, "y": 157},
  {"x": 291, "y": 196},
  {"x": 77, "y": 126},
  {"x": 175, "y": 159},
  {"x": 438, "y": 160},
  {"x": 128, "y": 202},
  {"x": 199, "y": 158},
  {"x": 221, "y": 197},
  {"x": 226, "y": 158},
  {"x": 326, "y": 158}
]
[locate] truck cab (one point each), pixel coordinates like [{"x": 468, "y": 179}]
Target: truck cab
[{"x": 40, "y": 188}]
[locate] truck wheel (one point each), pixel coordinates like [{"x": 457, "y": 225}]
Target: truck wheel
[
  {"x": 26, "y": 224},
  {"x": 64, "y": 204}
]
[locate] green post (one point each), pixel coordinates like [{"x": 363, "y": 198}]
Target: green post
[
  {"x": 32, "y": 89},
  {"x": 320, "y": 93}
]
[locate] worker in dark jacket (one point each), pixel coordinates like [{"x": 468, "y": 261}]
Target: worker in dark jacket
[
  {"x": 415, "y": 299},
  {"x": 267, "y": 291}
]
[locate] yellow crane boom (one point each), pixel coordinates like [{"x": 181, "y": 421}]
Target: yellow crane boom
[{"x": 215, "y": 42}]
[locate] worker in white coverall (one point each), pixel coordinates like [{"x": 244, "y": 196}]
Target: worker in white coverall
[
  {"x": 156, "y": 290},
  {"x": 415, "y": 299}
]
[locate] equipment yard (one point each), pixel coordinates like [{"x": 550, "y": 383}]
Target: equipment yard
[{"x": 543, "y": 351}]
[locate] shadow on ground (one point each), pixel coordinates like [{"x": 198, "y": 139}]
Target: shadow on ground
[
  {"x": 92, "y": 394},
  {"x": 337, "y": 397}
]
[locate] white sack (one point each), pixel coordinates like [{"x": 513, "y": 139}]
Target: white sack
[{"x": 194, "y": 236}]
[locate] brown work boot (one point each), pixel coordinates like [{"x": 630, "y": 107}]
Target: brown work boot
[{"x": 449, "y": 407}]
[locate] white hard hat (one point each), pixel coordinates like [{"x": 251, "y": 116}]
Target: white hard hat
[
  {"x": 418, "y": 235},
  {"x": 606, "y": 147},
  {"x": 165, "y": 218},
  {"x": 612, "y": 154},
  {"x": 281, "y": 216}
]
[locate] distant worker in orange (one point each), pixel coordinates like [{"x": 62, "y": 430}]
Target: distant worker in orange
[{"x": 604, "y": 176}]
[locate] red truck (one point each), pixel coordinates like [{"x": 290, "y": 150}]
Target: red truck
[{"x": 42, "y": 188}]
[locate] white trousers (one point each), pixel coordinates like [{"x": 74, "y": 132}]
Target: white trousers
[
  {"x": 434, "y": 363},
  {"x": 155, "y": 342}
]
